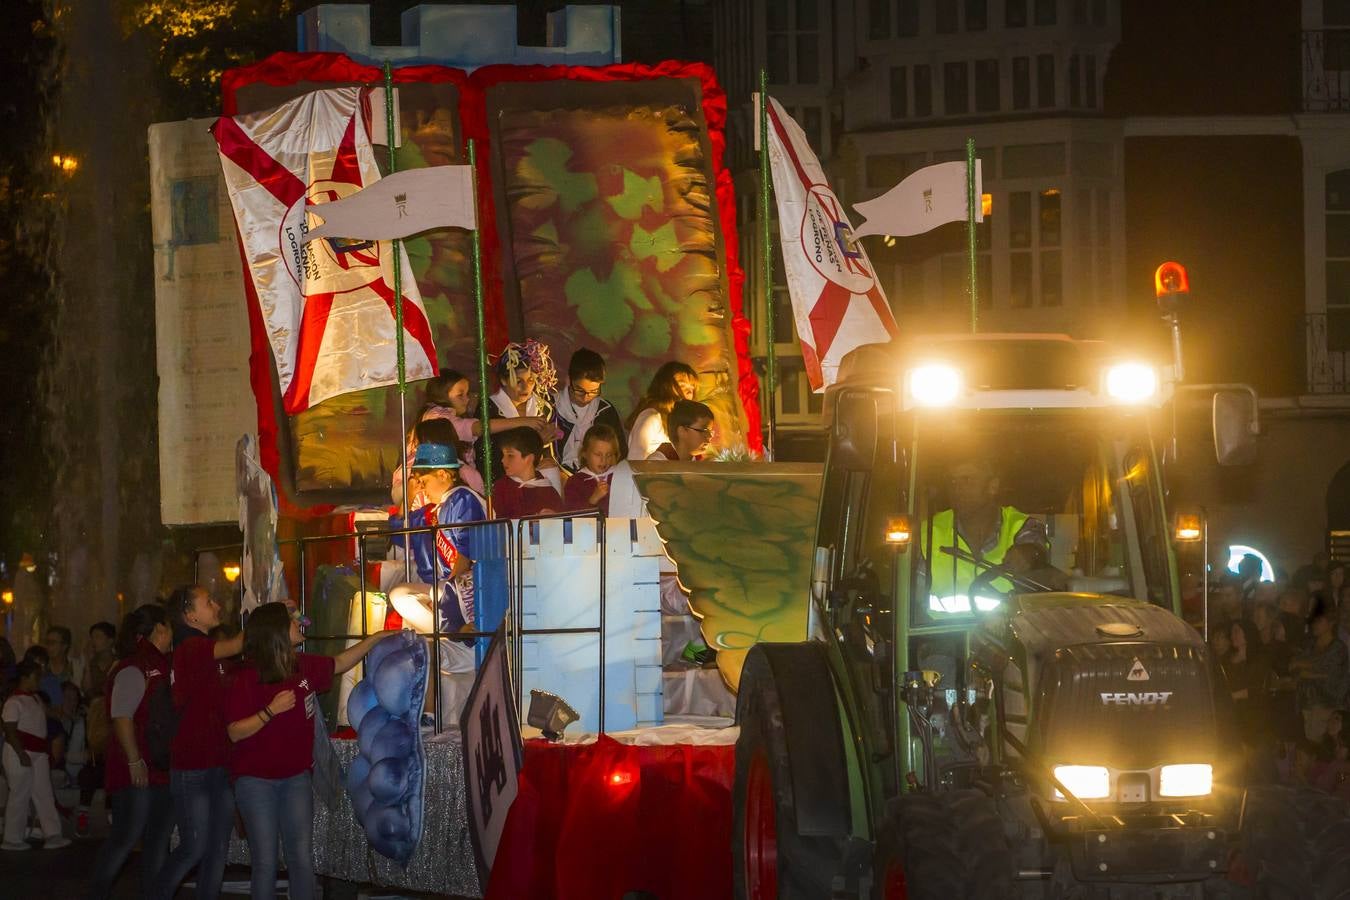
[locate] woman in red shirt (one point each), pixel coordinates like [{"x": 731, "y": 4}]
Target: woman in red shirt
[
  {"x": 270, "y": 706},
  {"x": 139, "y": 792}
]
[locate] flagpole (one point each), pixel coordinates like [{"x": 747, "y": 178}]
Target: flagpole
[
  {"x": 766, "y": 257},
  {"x": 971, "y": 199},
  {"x": 484, "y": 401},
  {"x": 397, "y": 246}
]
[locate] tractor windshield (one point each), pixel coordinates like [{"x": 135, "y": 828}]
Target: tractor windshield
[{"x": 1031, "y": 502}]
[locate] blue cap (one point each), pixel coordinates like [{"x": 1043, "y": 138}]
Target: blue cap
[{"x": 435, "y": 456}]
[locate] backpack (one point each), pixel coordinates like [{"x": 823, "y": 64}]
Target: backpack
[{"x": 161, "y": 724}]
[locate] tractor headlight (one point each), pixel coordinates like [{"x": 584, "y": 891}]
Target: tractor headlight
[
  {"x": 934, "y": 384},
  {"x": 1186, "y": 780},
  {"x": 1131, "y": 382},
  {"x": 1084, "y": 782}
]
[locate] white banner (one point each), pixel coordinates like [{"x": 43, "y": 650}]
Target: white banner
[
  {"x": 932, "y": 196},
  {"x": 328, "y": 307},
  {"x": 836, "y": 300}
]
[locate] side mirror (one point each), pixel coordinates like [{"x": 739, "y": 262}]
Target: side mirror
[
  {"x": 853, "y": 437},
  {"x": 1235, "y": 427}
]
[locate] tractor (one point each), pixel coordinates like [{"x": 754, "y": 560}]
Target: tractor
[{"x": 998, "y": 697}]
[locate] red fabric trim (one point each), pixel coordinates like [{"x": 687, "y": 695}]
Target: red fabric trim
[
  {"x": 288, "y": 68},
  {"x": 32, "y": 743},
  {"x": 598, "y": 820}
]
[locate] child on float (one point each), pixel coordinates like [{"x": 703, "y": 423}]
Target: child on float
[
  {"x": 605, "y": 480},
  {"x": 138, "y": 791},
  {"x": 270, "y": 704},
  {"x": 673, "y": 382},
  {"x": 199, "y": 776},
  {"x": 526, "y": 379},
  {"x": 523, "y": 491},
  {"x": 690, "y": 425},
  {"x": 579, "y": 406},
  {"x": 27, "y": 764}
]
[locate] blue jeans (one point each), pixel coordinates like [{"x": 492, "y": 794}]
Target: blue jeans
[
  {"x": 203, "y": 806},
  {"x": 269, "y": 805},
  {"x": 136, "y": 812}
]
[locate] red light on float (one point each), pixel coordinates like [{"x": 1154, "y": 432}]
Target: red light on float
[
  {"x": 619, "y": 778},
  {"x": 1169, "y": 279}
]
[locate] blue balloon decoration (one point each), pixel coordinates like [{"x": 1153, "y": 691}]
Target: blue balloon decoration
[
  {"x": 361, "y": 700},
  {"x": 385, "y": 780},
  {"x": 374, "y": 721},
  {"x": 389, "y": 779},
  {"x": 394, "y": 681}
]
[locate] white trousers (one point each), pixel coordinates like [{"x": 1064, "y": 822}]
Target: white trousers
[{"x": 29, "y": 783}]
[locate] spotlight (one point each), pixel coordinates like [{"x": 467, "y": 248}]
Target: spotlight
[{"x": 550, "y": 714}]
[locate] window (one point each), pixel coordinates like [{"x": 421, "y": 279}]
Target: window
[
  {"x": 1338, "y": 260},
  {"x": 923, "y": 91},
  {"x": 1080, "y": 12},
  {"x": 1099, "y": 13},
  {"x": 899, "y": 92},
  {"x": 1015, "y": 13},
  {"x": 793, "y": 42},
  {"x": 1052, "y": 289},
  {"x": 1090, "y": 80},
  {"x": 1050, "y": 218},
  {"x": 879, "y": 19},
  {"x": 986, "y": 85},
  {"x": 1035, "y": 260},
  {"x": 1075, "y": 87},
  {"x": 955, "y": 89},
  {"x": 907, "y": 18},
  {"x": 811, "y": 124},
  {"x": 1045, "y": 80},
  {"x": 1045, "y": 12},
  {"x": 1105, "y": 288},
  {"x": 946, "y": 16},
  {"x": 1019, "y": 219},
  {"x": 1021, "y": 82},
  {"x": 977, "y": 15},
  {"x": 1019, "y": 280}
]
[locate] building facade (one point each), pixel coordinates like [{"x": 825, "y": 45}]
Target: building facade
[{"x": 1112, "y": 136}]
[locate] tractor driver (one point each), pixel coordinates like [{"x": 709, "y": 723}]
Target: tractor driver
[{"x": 976, "y": 526}]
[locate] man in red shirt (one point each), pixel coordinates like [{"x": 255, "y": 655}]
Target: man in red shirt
[{"x": 198, "y": 775}]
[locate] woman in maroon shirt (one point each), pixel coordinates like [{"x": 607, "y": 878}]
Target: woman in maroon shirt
[
  {"x": 269, "y": 707},
  {"x": 139, "y": 793}
]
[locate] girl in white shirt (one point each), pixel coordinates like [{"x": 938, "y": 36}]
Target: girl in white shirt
[{"x": 647, "y": 426}]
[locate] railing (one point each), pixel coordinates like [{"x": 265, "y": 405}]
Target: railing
[
  {"x": 296, "y": 550},
  {"x": 1328, "y": 362},
  {"x": 1326, "y": 70}
]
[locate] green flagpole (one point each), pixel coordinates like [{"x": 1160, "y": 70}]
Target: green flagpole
[
  {"x": 766, "y": 257},
  {"x": 484, "y": 401},
  {"x": 397, "y": 247},
  {"x": 971, "y": 200}
]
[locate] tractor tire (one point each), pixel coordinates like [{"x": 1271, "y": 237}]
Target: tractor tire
[
  {"x": 1295, "y": 844},
  {"x": 950, "y": 846},
  {"x": 770, "y": 859}
]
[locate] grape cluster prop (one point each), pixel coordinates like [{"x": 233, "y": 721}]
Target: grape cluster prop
[{"x": 386, "y": 778}]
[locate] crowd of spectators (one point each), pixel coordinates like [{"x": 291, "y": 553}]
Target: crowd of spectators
[{"x": 1281, "y": 649}]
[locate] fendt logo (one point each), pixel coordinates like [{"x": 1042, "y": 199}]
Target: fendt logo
[{"x": 1136, "y": 698}]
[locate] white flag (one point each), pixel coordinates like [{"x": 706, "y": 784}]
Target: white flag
[
  {"x": 836, "y": 301},
  {"x": 401, "y": 204},
  {"x": 328, "y": 307},
  {"x": 932, "y": 196}
]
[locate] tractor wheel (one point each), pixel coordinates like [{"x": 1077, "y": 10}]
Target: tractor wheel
[
  {"x": 945, "y": 846},
  {"x": 1294, "y": 844},
  {"x": 770, "y": 859}
]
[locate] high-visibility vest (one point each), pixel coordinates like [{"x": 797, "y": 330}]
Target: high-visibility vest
[{"x": 949, "y": 591}]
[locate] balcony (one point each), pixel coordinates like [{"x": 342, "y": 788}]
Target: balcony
[
  {"x": 1328, "y": 343},
  {"x": 1326, "y": 70}
]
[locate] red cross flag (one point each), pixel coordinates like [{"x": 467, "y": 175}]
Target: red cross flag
[
  {"x": 328, "y": 306},
  {"x": 836, "y": 300}
]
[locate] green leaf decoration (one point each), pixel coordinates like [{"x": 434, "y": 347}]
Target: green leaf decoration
[
  {"x": 650, "y": 337},
  {"x": 661, "y": 244},
  {"x": 545, "y": 163},
  {"x": 638, "y": 192},
  {"x": 419, "y": 255},
  {"x": 601, "y": 307}
]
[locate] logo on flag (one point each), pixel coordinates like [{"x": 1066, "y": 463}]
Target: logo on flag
[
  {"x": 837, "y": 303},
  {"x": 327, "y": 306}
]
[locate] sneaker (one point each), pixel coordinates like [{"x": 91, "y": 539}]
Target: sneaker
[
  {"x": 55, "y": 843},
  {"x": 11, "y": 845}
]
